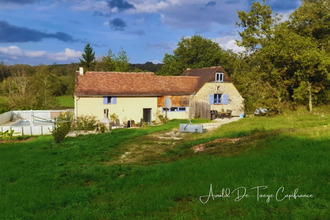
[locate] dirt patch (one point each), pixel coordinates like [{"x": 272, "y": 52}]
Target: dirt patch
[
  {"x": 218, "y": 122},
  {"x": 202, "y": 147},
  {"x": 171, "y": 135},
  {"x": 149, "y": 148},
  {"x": 153, "y": 147}
]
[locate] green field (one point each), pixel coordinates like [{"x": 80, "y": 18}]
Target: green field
[
  {"x": 66, "y": 101},
  {"x": 133, "y": 174}
]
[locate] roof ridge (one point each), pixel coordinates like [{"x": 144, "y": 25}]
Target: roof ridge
[
  {"x": 213, "y": 67},
  {"x": 115, "y": 72},
  {"x": 180, "y": 76}
]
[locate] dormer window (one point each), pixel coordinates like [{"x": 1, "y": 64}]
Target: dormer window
[{"x": 219, "y": 77}]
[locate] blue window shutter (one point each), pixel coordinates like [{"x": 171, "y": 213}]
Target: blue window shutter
[
  {"x": 114, "y": 100},
  {"x": 211, "y": 99},
  {"x": 105, "y": 100},
  {"x": 225, "y": 100}
]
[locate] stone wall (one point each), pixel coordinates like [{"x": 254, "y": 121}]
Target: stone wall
[{"x": 236, "y": 101}]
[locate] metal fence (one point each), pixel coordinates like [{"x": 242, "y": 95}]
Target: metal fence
[{"x": 31, "y": 122}]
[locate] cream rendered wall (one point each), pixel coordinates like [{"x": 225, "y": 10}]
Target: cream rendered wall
[
  {"x": 236, "y": 101},
  {"x": 127, "y": 108}
]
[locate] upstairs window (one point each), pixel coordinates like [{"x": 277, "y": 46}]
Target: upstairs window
[
  {"x": 219, "y": 77},
  {"x": 109, "y": 100}
]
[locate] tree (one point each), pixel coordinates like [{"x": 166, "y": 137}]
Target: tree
[
  {"x": 44, "y": 85},
  {"x": 290, "y": 63},
  {"x": 20, "y": 93},
  {"x": 194, "y": 52},
  {"x": 88, "y": 60},
  {"x": 106, "y": 63},
  {"x": 258, "y": 25},
  {"x": 4, "y": 71},
  {"x": 312, "y": 19},
  {"x": 122, "y": 61},
  {"x": 113, "y": 62}
]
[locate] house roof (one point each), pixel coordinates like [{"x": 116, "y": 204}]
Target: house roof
[
  {"x": 134, "y": 84},
  {"x": 206, "y": 74}
]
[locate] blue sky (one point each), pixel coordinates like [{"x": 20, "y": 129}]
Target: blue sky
[{"x": 56, "y": 31}]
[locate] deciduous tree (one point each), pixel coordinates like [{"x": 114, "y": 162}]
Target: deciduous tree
[{"x": 194, "y": 52}]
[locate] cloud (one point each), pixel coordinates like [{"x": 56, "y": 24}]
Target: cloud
[
  {"x": 120, "y": 5},
  {"x": 199, "y": 15},
  {"x": 68, "y": 54},
  {"x": 139, "y": 33},
  {"x": 229, "y": 43},
  {"x": 20, "y": 2},
  {"x": 10, "y": 34},
  {"x": 167, "y": 46},
  {"x": 117, "y": 24},
  {"x": 211, "y": 3},
  {"x": 14, "y": 53}
]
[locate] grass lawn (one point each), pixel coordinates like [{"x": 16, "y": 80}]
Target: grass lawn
[
  {"x": 66, "y": 101},
  {"x": 87, "y": 177}
]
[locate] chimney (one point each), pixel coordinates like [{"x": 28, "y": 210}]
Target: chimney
[{"x": 81, "y": 71}]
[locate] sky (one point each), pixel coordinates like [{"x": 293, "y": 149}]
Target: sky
[{"x": 56, "y": 31}]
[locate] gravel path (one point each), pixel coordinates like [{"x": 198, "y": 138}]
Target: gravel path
[{"x": 218, "y": 122}]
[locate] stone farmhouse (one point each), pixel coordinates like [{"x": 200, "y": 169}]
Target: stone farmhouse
[{"x": 145, "y": 96}]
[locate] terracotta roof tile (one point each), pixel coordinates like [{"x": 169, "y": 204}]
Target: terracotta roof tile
[
  {"x": 206, "y": 74},
  {"x": 134, "y": 84}
]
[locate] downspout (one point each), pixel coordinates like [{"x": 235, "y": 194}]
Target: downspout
[{"x": 75, "y": 107}]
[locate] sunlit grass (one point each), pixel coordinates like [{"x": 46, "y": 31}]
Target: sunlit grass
[
  {"x": 66, "y": 101},
  {"x": 72, "y": 180}
]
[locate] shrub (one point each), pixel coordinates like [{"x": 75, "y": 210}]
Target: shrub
[
  {"x": 62, "y": 126},
  {"x": 7, "y": 135},
  {"x": 113, "y": 118},
  {"x": 86, "y": 123},
  {"x": 101, "y": 128}
]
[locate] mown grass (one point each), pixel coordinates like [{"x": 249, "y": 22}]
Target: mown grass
[
  {"x": 66, "y": 101},
  {"x": 74, "y": 180}
]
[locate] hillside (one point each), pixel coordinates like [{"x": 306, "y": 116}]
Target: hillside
[{"x": 146, "y": 173}]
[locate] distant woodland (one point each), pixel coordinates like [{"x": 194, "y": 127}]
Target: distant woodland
[{"x": 36, "y": 87}]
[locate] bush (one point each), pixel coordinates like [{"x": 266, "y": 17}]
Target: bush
[
  {"x": 101, "y": 128},
  {"x": 86, "y": 123},
  {"x": 62, "y": 126},
  {"x": 113, "y": 118},
  {"x": 7, "y": 135}
]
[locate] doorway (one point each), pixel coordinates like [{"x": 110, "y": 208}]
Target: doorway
[{"x": 147, "y": 115}]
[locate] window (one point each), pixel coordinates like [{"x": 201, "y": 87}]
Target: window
[
  {"x": 219, "y": 99},
  {"x": 219, "y": 77},
  {"x": 109, "y": 100},
  {"x": 175, "y": 109}
]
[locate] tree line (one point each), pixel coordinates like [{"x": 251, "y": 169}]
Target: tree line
[
  {"x": 36, "y": 87},
  {"x": 285, "y": 63}
]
